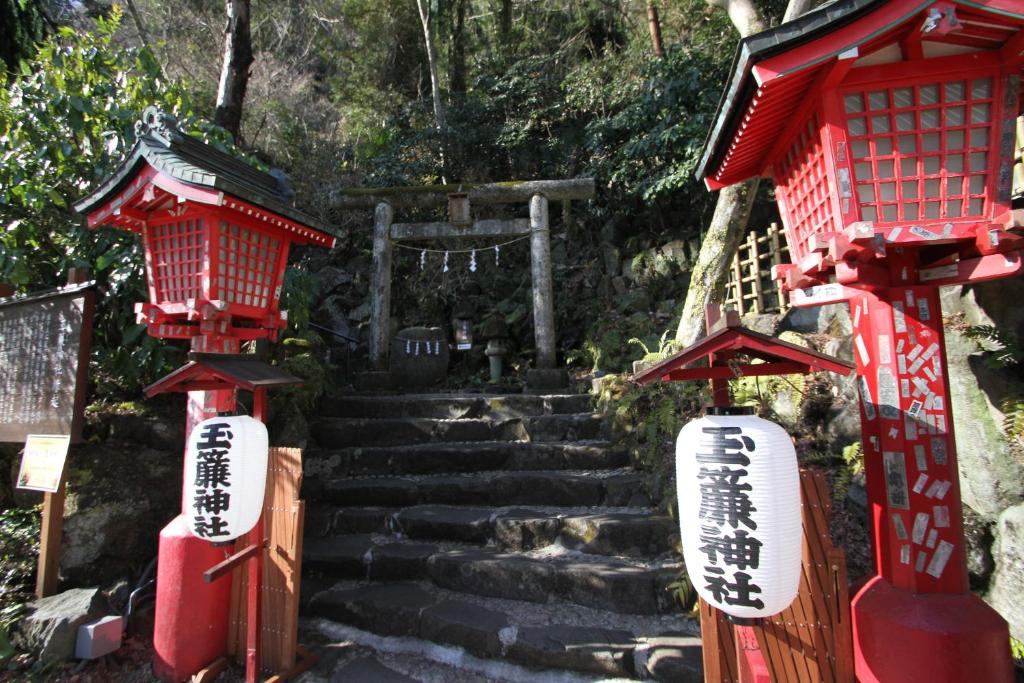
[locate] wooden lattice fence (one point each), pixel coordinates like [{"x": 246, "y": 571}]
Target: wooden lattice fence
[{"x": 751, "y": 288}]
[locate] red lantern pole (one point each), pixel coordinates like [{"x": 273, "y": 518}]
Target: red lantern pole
[
  {"x": 255, "y": 579},
  {"x": 917, "y": 619}
]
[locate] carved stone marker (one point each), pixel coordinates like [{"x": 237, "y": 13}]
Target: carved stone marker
[{"x": 44, "y": 355}]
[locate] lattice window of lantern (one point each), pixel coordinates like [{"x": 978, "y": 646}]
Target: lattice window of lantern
[
  {"x": 177, "y": 250},
  {"x": 922, "y": 151},
  {"x": 245, "y": 266},
  {"x": 804, "y": 188}
]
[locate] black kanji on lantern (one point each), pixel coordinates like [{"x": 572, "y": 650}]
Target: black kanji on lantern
[
  {"x": 209, "y": 528},
  {"x": 725, "y": 450},
  {"x": 725, "y": 506},
  {"x": 215, "y": 435},
  {"x": 737, "y": 593},
  {"x": 213, "y": 469},
  {"x": 741, "y": 550},
  {"x": 213, "y": 501},
  {"x": 723, "y": 498}
]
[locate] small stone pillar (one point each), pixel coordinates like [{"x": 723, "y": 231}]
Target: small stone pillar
[
  {"x": 380, "y": 286},
  {"x": 543, "y": 296}
]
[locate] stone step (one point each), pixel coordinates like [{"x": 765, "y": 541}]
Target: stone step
[
  {"x": 368, "y": 669},
  {"x": 463, "y": 457},
  {"x": 564, "y": 488},
  {"x": 399, "y": 431},
  {"x": 626, "y": 532},
  {"x": 454, "y": 406},
  {"x": 617, "y": 585},
  {"x": 533, "y": 636}
]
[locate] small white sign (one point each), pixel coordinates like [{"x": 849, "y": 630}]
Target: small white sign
[{"x": 42, "y": 465}]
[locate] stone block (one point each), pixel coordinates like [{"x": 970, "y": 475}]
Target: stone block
[
  {"x": 598, "y": 650},
  {"x": 471, "y": 627},
  {"x": 419, "y": 357},
  {"x": 542, "y": 381},
  {"x": 368, "y": 670},
  {"x": 1008, "y": 580},
  {"x": 99, "y": 638},
  {"x": 50, "y": 628}
]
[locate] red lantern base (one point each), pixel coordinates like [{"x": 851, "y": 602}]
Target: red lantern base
[
  {"x": 191, "y": 628},
  {"x": 899, "y": 636}
]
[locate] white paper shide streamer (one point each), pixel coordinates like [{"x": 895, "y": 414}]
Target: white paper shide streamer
[
  {"x": 739, "y": 513},
  {"x": 225, "y": 477}
]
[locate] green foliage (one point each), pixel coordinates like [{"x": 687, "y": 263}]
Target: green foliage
[
  {"x": 666, "y": 347},
  {"x": 646, "y": 420},
  {"x": 1006, "y": 349},
  {"x": 1012, "y": 408},
  {"x": 1017, "y": 649},
  {"x": 853, "y": 456},
  {"x": 23, "y": 22},
  {"x": 19, "y": 548}
]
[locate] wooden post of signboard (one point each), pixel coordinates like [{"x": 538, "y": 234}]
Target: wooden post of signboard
[
  {"x": 52, "y": 522},
  {"x": 51, "y": 529}
]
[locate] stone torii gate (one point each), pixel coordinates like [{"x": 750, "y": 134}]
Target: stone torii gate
[{"x": 537, "y": 193}]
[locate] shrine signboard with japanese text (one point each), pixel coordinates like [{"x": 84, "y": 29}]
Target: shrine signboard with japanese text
[{"x": 44, "y": 355}]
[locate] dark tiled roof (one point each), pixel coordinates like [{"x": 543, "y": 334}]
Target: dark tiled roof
[
  {"x": 754, "y": 48},
  {"x": 164, "y": 147}
]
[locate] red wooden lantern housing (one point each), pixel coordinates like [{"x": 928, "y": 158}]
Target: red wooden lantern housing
[
  {"x": 878, "y": 121},
  {"x": 215, "y": 231}
]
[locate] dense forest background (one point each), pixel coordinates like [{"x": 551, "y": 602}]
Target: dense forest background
[{"x": 340, "y": 95}]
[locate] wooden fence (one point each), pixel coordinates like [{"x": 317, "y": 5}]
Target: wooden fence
[
  {"x": 751, "y": 288},
  {"x": 283, "y": 517}
]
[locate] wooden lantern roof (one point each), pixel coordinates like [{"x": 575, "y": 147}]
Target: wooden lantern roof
[
  {"x": 778, "y": 74},
  {"x": 726, "y": 342},
  {"x": 219, "y": 371},
  {"x": 167, "y": 167}
]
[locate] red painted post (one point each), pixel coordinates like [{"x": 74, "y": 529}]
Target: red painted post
[
  {"x": 916, "y": 620},
  {"x": 750, "y": 663},
  {"x": 191, "y": 626},
  {"x": 255, "y": 569}
]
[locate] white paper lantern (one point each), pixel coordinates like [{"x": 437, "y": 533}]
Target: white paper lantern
[
  {"x": 225, "y": 477},
  {"x": 739, "y": 512}
]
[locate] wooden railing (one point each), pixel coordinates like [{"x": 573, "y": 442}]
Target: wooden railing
[{"x": 750, "y": 288}]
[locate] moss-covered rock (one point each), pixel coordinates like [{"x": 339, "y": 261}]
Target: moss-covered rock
[{"x": 991, "y": 478}]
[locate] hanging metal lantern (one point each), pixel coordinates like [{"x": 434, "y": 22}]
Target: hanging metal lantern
[
  {"x": 225, "y": 477},
  {"x": 739, "y": 512}
]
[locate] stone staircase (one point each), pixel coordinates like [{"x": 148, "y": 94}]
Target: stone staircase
[{"x": 504, "y": 526}]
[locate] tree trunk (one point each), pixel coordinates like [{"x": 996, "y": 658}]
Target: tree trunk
[
  {"x": 505, "y": 21},
  {"x": 795, "y": 9},
  {"x": 457, "y": 48},
  {"x": 711, "y": 271},
  {"x": 435, "y": 84},
  {"x": 655, "y": 25},
  {"x": 743, "y": 14},
  {"x": 732, "y": 211},
  {"x": 234, "y": 72}
]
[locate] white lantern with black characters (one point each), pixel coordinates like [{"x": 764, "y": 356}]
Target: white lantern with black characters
[
  {"x": 739, "y": 512},
  {"x": 225, "y": 477}
]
